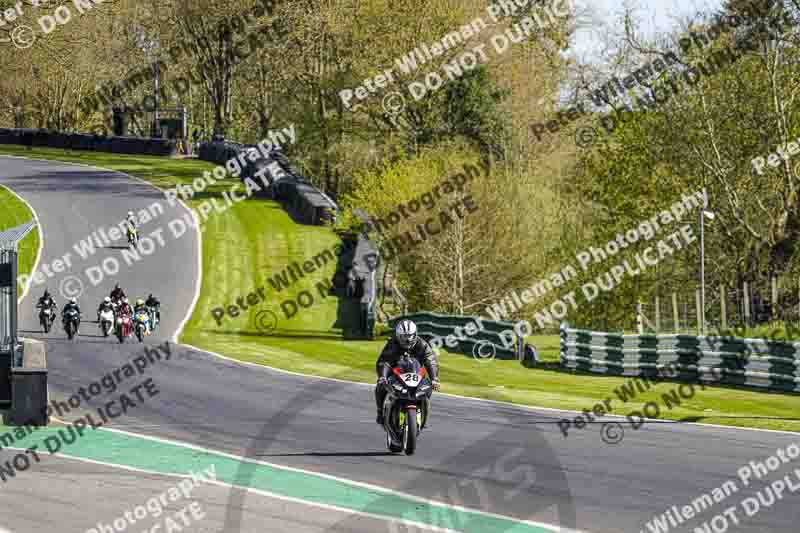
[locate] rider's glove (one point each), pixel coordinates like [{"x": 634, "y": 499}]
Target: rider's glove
[
  {"x": 382, "y": 381},
  {"x": 436, "y": 385}
]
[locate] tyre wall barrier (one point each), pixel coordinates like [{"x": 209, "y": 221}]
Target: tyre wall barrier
[
  {"x": 489, "y": 337},
  {"x": 309, "y": 205},
  {"x": 771, "y": 365},
  {"x": 81, "y": 141},
  {"x": 300, "y": 197}
]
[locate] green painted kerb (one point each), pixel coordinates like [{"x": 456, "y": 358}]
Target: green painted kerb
[{"x": 165, "y": 458}]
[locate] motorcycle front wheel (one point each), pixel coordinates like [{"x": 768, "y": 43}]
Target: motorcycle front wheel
[{"x": 410, "y": 432}]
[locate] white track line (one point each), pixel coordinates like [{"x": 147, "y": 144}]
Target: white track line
[
  {"x": 38, "y": 252},
  {"x": 330, "y": 477},
  {"x": 248, "y": 489}
]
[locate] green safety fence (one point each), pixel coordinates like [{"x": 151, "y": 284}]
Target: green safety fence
[
  {"x": 471, "y": 335},
  {"x": 772, "y": 365}
]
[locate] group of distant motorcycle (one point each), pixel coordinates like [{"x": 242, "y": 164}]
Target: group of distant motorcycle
[{"x": 114, "y": 314}]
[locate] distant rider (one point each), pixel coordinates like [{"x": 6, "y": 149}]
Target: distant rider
[
  {"x": 72, "y": 304},
  {"x": 131, "y": 220},
  {"x": 117, "y": 294},
  {"x": 405, "y": 340},
  {"x": 46, "y": 301},
  {"x": 125, "y": 308},
  {"x": 105, "y": 305},
  {"x": 153, "y": 303},
  {"x": 140, "y": 307}
]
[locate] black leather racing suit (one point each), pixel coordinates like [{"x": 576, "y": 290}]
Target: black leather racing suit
[
  {"x": 69, "y": 307},
  {"x": 117, "y": 294},
  {"x": 153, "y": 303},
  {"x": 46, "y": 303},
  {"x": 392, "y": 353}
]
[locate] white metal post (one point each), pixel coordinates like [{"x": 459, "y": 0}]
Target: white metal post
[{"x": 702, "y": 275}]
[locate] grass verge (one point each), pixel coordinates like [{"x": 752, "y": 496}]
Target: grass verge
[
  {"x": 13, "y": 213},
  {"x": 255, "y": 240}
]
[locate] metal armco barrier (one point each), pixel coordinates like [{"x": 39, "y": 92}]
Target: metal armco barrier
[
  {"x": 730, "y": 360},
  {"x": 500, "y": 335}
]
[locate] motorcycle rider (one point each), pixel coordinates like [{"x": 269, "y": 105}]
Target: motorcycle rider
[
  {"x": 153, "y": 303},
  {"x": 117, "y": 293},
  {"x": 46, "y": 302},
  {"x": 405, "y": 339},
  {"x": 72, "y": 304},
  {"x": 125, "y": 307},
  {"x": 131, "y": 220},
  {"x": 105, "y": 305},
  {"x": 140, "y": 307}
]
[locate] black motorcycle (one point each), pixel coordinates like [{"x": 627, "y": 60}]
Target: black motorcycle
[
  {"x": 46, "y": 317},
  {"x": 71, "y": 318},
  {"x": 405, "y": 409}
]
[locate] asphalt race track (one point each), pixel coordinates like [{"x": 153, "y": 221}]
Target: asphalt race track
[{"x": 486, "y": 456}]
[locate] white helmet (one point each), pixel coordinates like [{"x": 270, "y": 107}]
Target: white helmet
[
  {"x": 107, "y": 299},
  {"x": 73, "y": 300},
  {"x": 125, "y": 300},
  {"x": 406, "y": 333},
  {"x": 130, "y": 213}
]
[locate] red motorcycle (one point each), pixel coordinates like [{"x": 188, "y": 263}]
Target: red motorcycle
[{"x": 124, "y": 326}]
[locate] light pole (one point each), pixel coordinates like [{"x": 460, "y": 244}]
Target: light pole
[
  {"x": 150, "y": 47},
  {"x": 703, "y": 213}
]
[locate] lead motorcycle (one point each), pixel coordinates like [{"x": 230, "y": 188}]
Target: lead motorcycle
[{"x": 405, "y": 409}]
